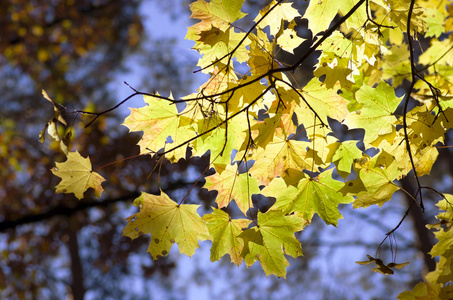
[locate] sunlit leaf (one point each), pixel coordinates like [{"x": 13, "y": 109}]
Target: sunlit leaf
[
  {"x": 168, "y": 223},
  {"x": 77, "y": 176}
]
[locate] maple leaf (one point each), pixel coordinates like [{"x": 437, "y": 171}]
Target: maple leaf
[
  {"x": 266, "y": 130},
  {"x": 318, "y": 195},
  {"x": 158, "y": 120},
  {"x": 271, "y": 240},
  {"x": 225, "y": 233},
  {"x": 376, "y": 176},
  {"x": 434, "y": 19},
  {"x": 321, "y": 13},
  {"x": 436, "y": 52},
  {"x": 289, "y": 40},
  {"x": 231, "y": 185},
  {"x": 215, "y": 142},
  {"x": 244, "y": 94},
  {"x": 217, "y": 13},
  {"x": 344, "y": 157},
  {"x": 325, "y": 102},
  {"x": 323, "y": 148},
  {"x": 396, "y": 65},
  {"x": 398, "y": 14},
  {"x": 376, "y": 115},
  {"x": 426, "y": 290},
  {"x": 215, "y": 44},
  {"x": 77, "y": 176},
  {"x": 168, "y": 223},
  {"x": 261, "y": 59},
  {"x": 336, "y": 69},
  {"x": 280, "y": 156},
  {"x": 283, "y": 11},
  {"x": 422, "y": 136}
]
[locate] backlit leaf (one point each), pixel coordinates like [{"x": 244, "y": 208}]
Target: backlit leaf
[
  {"x": 168, "y": 223},
  {"x": 77, "y": 176},
  {"x": 225, "y": 233}
]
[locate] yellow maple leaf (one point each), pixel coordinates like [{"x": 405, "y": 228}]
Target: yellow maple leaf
[
  {"x": 77, "y": 176},
  {"x": 225, "y": 235},
  {"x": 168, "y": 223},
  {"x": 283, "y": 11}
]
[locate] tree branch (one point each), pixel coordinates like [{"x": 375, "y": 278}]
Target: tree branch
[{"x": 62, "y": 210}]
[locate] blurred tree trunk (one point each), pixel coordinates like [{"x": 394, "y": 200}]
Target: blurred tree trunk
[
  {"x": 77, "y": 286},
  {"x": 424, "y": 242}
]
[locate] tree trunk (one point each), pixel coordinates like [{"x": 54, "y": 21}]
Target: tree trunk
[{"x": 77, "y": 286}]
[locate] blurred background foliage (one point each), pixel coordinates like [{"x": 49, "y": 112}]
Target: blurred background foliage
[{"x": 53, "y": 245}]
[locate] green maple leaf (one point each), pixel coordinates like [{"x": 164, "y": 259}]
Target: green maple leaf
[
  {"x": 325, "y": 102},
  {"x": 344, "y": 157},
  {"x": 158, "y": 120},
  {"x": 283, "y": 11},
  {"x": 168, "y": 223},
  {"x": 337, "y": 44},
  {"x": 231, "y": 185},
  {"x": 318, "y": 195},
  {"x": 271, "y": 240},
  {"x": 77, "y": 176},
  {"x": 434, "y": 19},
  {"x": 215, "y": 142},
  {"x": 376, "y": 115},
  {"x": 225, "y": 235},
  {"x": 217, "y": 13}
]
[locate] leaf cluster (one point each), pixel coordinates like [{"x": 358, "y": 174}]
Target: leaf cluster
[{"x": 267, "y": 135}]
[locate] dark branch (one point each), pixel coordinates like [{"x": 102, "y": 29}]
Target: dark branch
[{"x": 62, "y": 210}]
